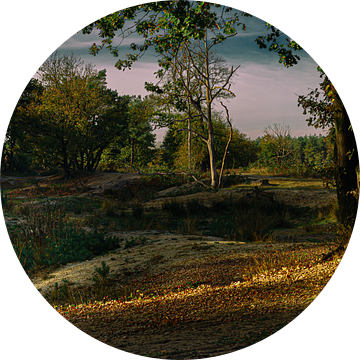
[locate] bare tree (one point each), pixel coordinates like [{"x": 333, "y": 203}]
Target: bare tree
[
  {"x": 200, "y": 77},
  {"x": 279, "y": 138}
]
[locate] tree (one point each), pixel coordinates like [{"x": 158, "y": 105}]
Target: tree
[
  {"x": 183, "y": 20},
  {"x": 168, "y": 27},
  {"x": 17, "y": 145},
  {"x": 277, "y": 143},
  {"x": 102, "y": 128},
  {"x": 139, "y": 129},
  {"x": 211, "y": 80},
  {"x": 78, "y": 116},
  {"x": 135, "y": 144},
  {"x": 164, "y": 26},
  {"x": 327, "y": 110}
]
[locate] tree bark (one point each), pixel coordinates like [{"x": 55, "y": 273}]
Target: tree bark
[
  {"x": 228, "y": 143},
  {"x": 346, "y": 176},
  {"x": 347, "y": 165},
  {"x": 214, "y": 175},
  {"x": 210, "y": 142}
]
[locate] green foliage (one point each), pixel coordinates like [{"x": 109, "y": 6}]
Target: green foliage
[
  {"x": 141, "y": 240},
  {"x": 46, "y": 241},
  {"x": 304, "y": 155},
  {"x": 183, "y": 20},
  {"x": 241, "y": 153},
  {"x": 274, "y": 41},
  {"x": 136, "y": 145},
  {"x": 318, "y": 104},
  {"x": 101, "y": 273},
  {"x": 64, "y": 120},
  {"x": 16, "y": 154}
]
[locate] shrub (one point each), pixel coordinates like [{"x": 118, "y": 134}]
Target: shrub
[
  {"x": 42, "y": 222},
  {"x": 61, "y": 246},
  {"x": 101, "y": 273}
]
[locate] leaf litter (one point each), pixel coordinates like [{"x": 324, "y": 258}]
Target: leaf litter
[{"x": 210, "y": 304}]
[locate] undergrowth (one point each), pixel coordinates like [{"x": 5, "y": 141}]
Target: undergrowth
[{"x": 45, "y": 240}]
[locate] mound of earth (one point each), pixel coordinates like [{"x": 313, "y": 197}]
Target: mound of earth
[{"x": 100, "y": 182}]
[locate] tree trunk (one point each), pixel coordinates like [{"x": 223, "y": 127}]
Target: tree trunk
[
  {"x": 346, "y": 176},
  {"x": 66, "y": 163},
  {"x": 347, "y": 163},
  {"x": 213, "y": 172},
  {"x": 11, "y": 156},
  {"x": 210, "y": 141},
  {"x": 189, "y": 137}
]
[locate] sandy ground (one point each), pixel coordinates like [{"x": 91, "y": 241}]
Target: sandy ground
[
  {"x": 101, "y": 181},
  {"x": 160, "y": 251}
]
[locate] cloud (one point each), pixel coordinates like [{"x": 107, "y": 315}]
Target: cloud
[{"x": 265, "y": 89}]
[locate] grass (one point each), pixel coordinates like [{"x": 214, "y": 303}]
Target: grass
[{"x": 287, "y": 182}]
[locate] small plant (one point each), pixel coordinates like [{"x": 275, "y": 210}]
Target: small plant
[
  {"x": 23, "y": 210},
  {"x": 250, "y": 225},
  {"x": 101, "y": 273},
  {"x": 190, "y": 225},
  {"x": 282, "y": 219},
  {"x": 60, "y": 245},
  {"x": 130, "y": 243},
  {"x": 135, "y": 242},
  {"x": 62, "y": 293}
]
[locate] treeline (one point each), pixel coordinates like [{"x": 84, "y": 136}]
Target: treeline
[
  {"x": 68, "y": 120},
  {"x": 277, "y": 151},
  {"x": 304, "y": 155}
]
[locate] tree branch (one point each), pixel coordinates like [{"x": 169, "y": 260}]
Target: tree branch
[
  {"x": 232, "y": 72},
  {"x": 195, "y": 133}
]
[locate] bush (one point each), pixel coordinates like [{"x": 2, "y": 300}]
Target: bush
[{"x": 61, "y": 246}]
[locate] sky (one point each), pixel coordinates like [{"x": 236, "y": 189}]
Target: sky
[{"x": 265, "y": 90}]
